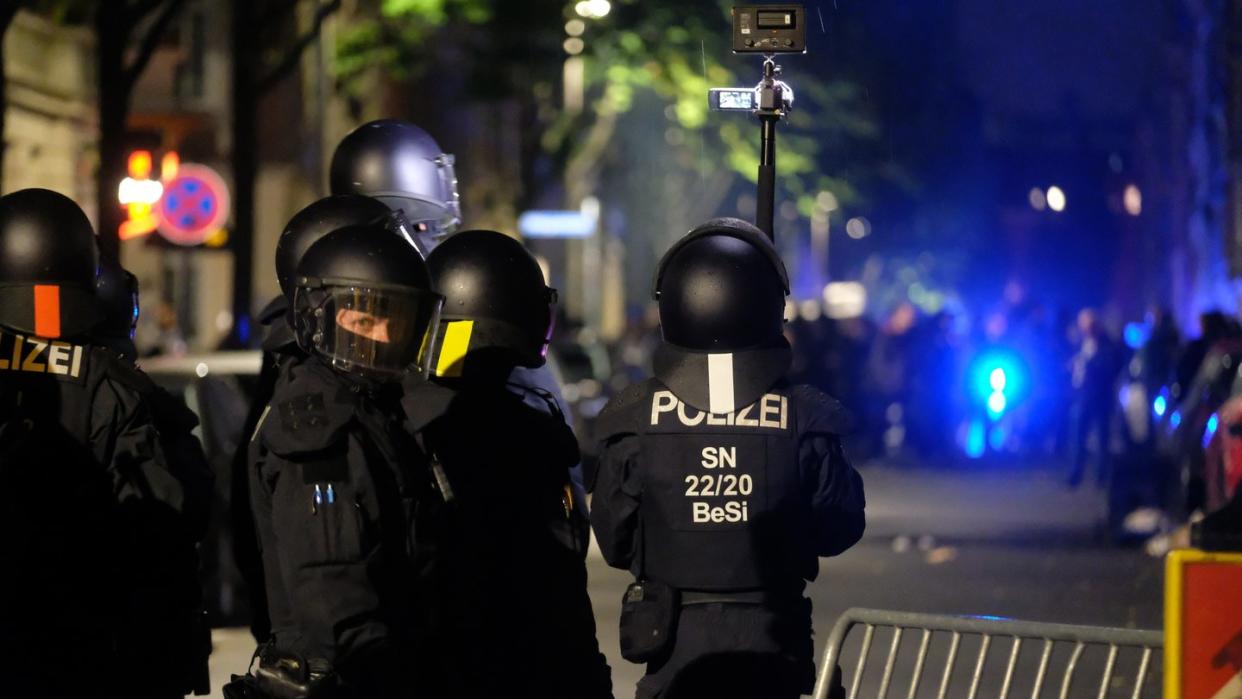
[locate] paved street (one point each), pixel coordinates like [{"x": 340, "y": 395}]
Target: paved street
[{"x": 997, "y": 542}]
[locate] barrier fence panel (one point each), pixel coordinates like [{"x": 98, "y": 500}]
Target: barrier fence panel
[{"x": 905, "y": 655}]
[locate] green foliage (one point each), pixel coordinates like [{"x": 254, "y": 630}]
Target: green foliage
[
  {"x": 69, "y": 12},
  {"x": 674, "y": 50},
  {"x": 398, "y": 36}
]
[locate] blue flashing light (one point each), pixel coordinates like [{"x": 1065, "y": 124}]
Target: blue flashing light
[
  {"x": 1210, "y": 430},
  {"x": 975, "y": 440},
  {"x": 996, "y": 405},
  {"x": 998, "y": 371},
  {"x": 997, "y": 380},
  {"x": 1135, "y": 334},
  {"x": 996, "y": 438},
  {"x": 989, "y": 617},
  {"x": 1176, "y": 418},
  {"x": 1159, "y": 406}
]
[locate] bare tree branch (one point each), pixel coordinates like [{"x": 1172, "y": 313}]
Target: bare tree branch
[
  {"x": 151, "y": 41},
  {"x": 294, "y": 54}
]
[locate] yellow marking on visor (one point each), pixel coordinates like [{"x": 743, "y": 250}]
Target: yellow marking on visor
[{"x": 453, "y": 347}]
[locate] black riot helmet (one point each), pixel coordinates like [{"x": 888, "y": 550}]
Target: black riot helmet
[
  {"x": 117, "y": 291},
  {"x": 402, "y": 166},
  {"x": 363, "y": 302},
  {"x": 48, "y": 264},
  {"x": 722, "y": 288},
  {"x": 314, "y": 222},
  {"x": 495, "y": 302}
]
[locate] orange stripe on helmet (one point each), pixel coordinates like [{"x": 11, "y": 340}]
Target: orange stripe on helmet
[{"x": 47, "y": 310}]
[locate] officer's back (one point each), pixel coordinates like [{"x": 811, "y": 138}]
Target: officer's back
[
  {"x": 516, "y": 616},
  {"x": 720, "y": 485},
  {"x": 89, "y": 508}
]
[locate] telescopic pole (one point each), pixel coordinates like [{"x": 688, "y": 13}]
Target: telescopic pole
[
  {"x": 765, "y": 208},
  {"x": 770, "y": 109}
]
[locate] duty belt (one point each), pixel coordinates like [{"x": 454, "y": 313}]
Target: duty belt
[{"x": 759, "y": 597}]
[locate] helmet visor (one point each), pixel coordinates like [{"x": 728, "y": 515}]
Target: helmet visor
[
  {"x": 446, "y": 170},
  {"x": 379, "y": 330},
  {"x": 430, "y": 215}
]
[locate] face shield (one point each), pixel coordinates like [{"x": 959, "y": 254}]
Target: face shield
[{"x": 368, "y": 329}]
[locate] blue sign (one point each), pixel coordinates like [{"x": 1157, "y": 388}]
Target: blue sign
[{"x": 555, "y": 224}]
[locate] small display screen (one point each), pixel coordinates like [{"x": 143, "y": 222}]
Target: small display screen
[
  {"x": 736, "y": 99},
  {"x": 775, "y": 20}
]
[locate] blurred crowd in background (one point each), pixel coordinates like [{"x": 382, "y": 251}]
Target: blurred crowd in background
[{"x": 1060, "y": 387}]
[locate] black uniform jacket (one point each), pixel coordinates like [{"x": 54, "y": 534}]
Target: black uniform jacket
[
  {"x": 334, "y": 486},
  {"x": 279, "y": 348},
  {"x": 515, "y": 616},
  {"x": 761, "y": 493},
  {"x": 96, "y": 522}
]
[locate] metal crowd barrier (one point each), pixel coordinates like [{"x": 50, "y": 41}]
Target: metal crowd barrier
[{"x": 953, "y": 629}]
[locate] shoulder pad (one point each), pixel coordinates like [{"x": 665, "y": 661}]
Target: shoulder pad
[
  {"x": 818, "y": 412},
  {"x": 623, "y": 414},
  {"x": 169, "y": 411},
  {"x": 115, "y": 367},
  {"x": 274, "y": 310},
  {"x": 424, "y": 401},
  {"x": 305, "y": 416},
  {"x": 280, "y": 339}
]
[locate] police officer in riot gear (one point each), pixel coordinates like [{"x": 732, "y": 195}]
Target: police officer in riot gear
[
  {"x": 505, "y": 454},
  {"x": 401, "y": 165},
  {"x": 335, "y": 480},
  {"x": 181, "y": 656},
  {"x": 116, "y": 289},
  {"x": 91, "y": 516},
  {"x": 720, "y": 484},
  {"x": 279, "y": 350}
]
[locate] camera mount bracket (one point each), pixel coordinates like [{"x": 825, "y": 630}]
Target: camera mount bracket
[{"x": 768, "y": 30}]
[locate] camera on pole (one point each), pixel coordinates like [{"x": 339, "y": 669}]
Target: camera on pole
[{"x": 768, "y": 30}]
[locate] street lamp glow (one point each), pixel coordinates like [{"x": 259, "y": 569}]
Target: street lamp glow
[
  {"x": 827, "y": 201},
  {"x": 810, "y": 310},
  {"x": 575, "y": 27},
  {"x": 1132, "y": 199},
  {"x": 593, "y": 8},
  {"x": 1056, "y": 199},
  {"x": 1038, "y": 201},
  {"x": 135, "y": 191},
  {"x": 858, "y": 228},
  {"x": 844, "y": 300},
  {"x": 574, "y": 45}
]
